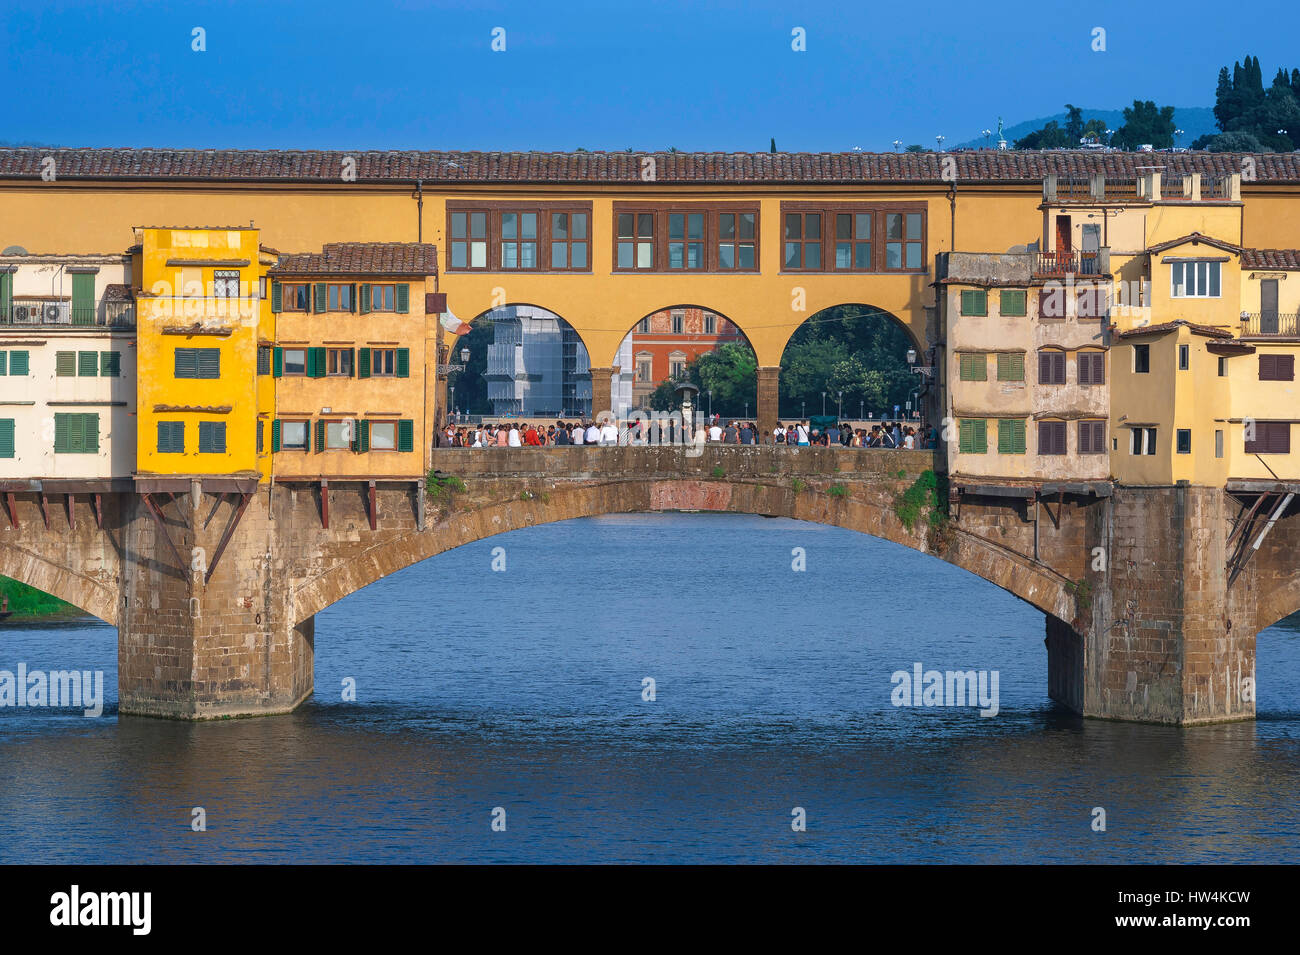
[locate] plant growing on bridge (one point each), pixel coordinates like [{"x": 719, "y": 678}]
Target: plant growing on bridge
[
  {"x": 927, "y": 499},
  {"x": 1082, "y": 590},
  {"x": 718, "y": 471},
  {"x": 797, "y": 484},
  {"x": 837, "y": 490},
  {"x": 442, "y": 486}
]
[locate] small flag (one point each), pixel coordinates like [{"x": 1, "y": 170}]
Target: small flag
[{"x": 452, "y": 323}]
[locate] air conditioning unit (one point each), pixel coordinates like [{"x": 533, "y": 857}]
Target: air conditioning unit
[
  {"x": 24, "y": 313},
  {"x": 52, "y": 313}
]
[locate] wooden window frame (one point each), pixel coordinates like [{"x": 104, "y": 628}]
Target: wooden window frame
[
  {"x": 374, "y": 355},
  {"x": 284, "y": 371},
  {"x": 1267, "y": 440},
  {"x": 1053, "y": 427},
  {"x": 1178, "y": 437},
  {"x": 171, "y": 426},
  {"x": 879, "y": 211},
  {"x": 661, "y": 219},
  {"x": 1051, "y": 378},
  {"x": 371, "y": 425},
  {"x": 977, "y": 361},
  {"x": 218, "y": 427},
  {"x": 1006, "y": 358},
  {"x": 1090, "y": 359},
  {"x": 1024, "y": 302},
  {"x": 979, "y": 443},
  {"x": 331, "y": 361},
  {"x": 973, "y": 292},
  {"x": 1275, "y": 367},
  {"x": 376, "y": 287},
  {"x": 494, "y": 211},
  {"x": 285, "y": 295},
  {"x": 349, "y": 440},
  {"x": 1088, "y": 429},
  {"x": 306, "y": 432},
  {"x": 1017, "y": 439},
  {"x": 334, "y": 296}
]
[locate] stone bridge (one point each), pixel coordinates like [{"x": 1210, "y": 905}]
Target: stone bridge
[{"x": 1153, "y": 595}]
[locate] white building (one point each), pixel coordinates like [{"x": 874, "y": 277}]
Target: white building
[
  {"x": 67, "y": 366},
  {"x": 537, "y": 365}
]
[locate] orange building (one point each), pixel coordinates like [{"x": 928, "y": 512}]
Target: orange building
[{"x": 664, "y": 343}]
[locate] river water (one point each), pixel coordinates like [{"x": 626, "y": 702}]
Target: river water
[{"x": 519, "y": 695}]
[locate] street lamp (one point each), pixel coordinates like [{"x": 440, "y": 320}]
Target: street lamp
[
  {"x": 710, "y": 394},
  {"x": 862, "y": 404},
  {"x": 839, "y": 396},
  {"x": 464, "y": 356},
  {"x": 939, "y": 140},
  {"x": 987, "y": 133},
  {"x": 823, "y": 404},
  {"x": 897, "y": 143},
  {"x": 451, "y": 400},
  {"x": 746, "y": 410},
  {"x": 1178, "y": 134},
  {"x": 803, "y": 410}
]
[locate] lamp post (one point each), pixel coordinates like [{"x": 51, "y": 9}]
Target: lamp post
[
  {"x": 939, "y": 139},
  {"x": 897, "y": 143},
  {"x": 710, "y": 394},
  {"x": 839, "y": 396},
  {"x": 803, "y": 410},
  {"x": 451, "y": 400},
  {"x": 862, "y": 404},
  {"x": 987, "y": 133},
  {"x": 746, "y": 410},
  {"x": 1178, "y": 134},
  {"x": 823, "y": 404}
]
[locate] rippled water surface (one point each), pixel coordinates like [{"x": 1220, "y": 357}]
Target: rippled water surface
[{"x": 523, "y": 690}]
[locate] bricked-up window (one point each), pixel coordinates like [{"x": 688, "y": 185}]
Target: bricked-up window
[
  {"x": 1051, "y": 437},
  {"x": 904, "y": 238},
  {"x": 973, "y": 367},
  {"x": 1092, "y": 437},
  {"x": 295, "y": 297},
  {"x": 1092, "y": 368},
  {"x": 974, "y": 301},
  {"x": 972, "y": 436},
  {"x": 1183, "y": 440},
  {"x": 1011, "y": 302},
  {"x": 1011, "y": 436},
  {"x": 635, "y": 241},
  {"x": 469, "y": 238},
  {"x": 853, "y": 241},
  {"x": 1277, "y": 368},
  {"x": 1051, "y": 367},
  {"x": 1011, "y": 367},
  {"x": 570, "y": 241},
  {"x": 1271, "y": 437},
  {"x": 686, "y": 240},
  {"x": 803, "y": 241}
]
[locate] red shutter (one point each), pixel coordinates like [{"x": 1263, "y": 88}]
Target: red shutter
[
  {"x": 1285, "y": 367},
  {"x": 1279, "y": 437}
]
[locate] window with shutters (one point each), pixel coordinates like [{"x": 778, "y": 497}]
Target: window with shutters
[
  {"x": 1012, "y": 303},
  {"x": 340, "y": 297},
  {"x": 338, "y": 362},
  {"x": 110, "y": 364},
  {"x": 339, "y": 435},
  {"x": 1051, "y": 367},
  {"x": 1051, "y": 437},
  {"x": 383, "y": 298},
  {"x": 65, "y": 364},
  {"x": 1011, "y": 436},
  {"x": 974, "y": 367},
  {"x": 19, "y": 363},
  {"x": 1271, "y": 437},
  {"x": 295, "y": 297},
  {"x": 383, "y": 435},
  {"x": 76, "y": 433},
  {"x": 225, "y": 283},
  {"x": 1183, "y": 441},
  {"x": 1276, "y": 368},
  {"x": 972, "y": 436},
  {"x": 1011, "y": 367},
  {"x": 295, "y": 361},
  {"x": 87, "y": 364},
  {"x": 974, "y": 302},
  {"x": 6, "y": 437},
  {"x": 1141, "y": 359},
  {"x": 1051, "y": 302},
  {"x": 198, "y": 363},
  {"x": 264, "y": 359},
  {"x": 1143, "y": 441},
  {"x": 212, "y": 437},
  {"x": 1092, "y": 437},
  {"x": 383, "y": 362},
  {"x": 1195, "y": 279},
  {"x": 171, "y": 437},
  {"x": 293, "y": 435},
  {"x": 1092, "y": 367}
]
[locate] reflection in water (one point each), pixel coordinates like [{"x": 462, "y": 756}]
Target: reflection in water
[{"x": 523, "y": 689}]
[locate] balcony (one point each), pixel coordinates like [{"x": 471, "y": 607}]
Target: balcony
[
  {"x": 1269, "y": 325},
  {"x": 60, "y": 313},
  {"x": 1061, "y": 264}
]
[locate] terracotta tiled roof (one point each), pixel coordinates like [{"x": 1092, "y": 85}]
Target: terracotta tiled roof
[
  {"x": 1209, "y": 330},
  {"x": 1196, "y": 239},
  {"x": 361, "y": 258},
  {"x": 1270, "y": 258},
  {"x": 539, "y": 167}
]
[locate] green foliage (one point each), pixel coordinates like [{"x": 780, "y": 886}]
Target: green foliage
[
  {"x": 838, "y": 490},
  {"x": 1234, "y": 142},
  {"x": 1051, "y": 136},
  {"x": 1242, "y": 105},
  {"x": 926, "y": 498},
  {"x": 797, "y": 485},
  {"x": 1082, "y": 590},
  {"x": 25, "y": 601},
  {"x": 718, "y": 471},
  {"x": 1144, "y": 122},
  {"x": 915, "y": 148},
  {"x": 855, "y": 349},
  {"x": 442, "y": 486},
  {"x": 730, "y": 371}
]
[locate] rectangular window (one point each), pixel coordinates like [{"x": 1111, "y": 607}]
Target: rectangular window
[
  {"x": 679, "y": 322},
  {"x": 1092, "y": 368},
  {"x": 1012, "y": 302},
  {"x": 1143, "y": 441},
  {"x": 338, "y": 435},
  {"x": 1184, "y": 357},
  {"x": 1195, "y": 279},
  {"x": 1092, "y": 437},
  {"x": 1277, "y": 368},
  {"x": 737, "y": 241},
  {"x": 383, "y": 298},
  {"x": 1183, "y": 440},
  {"x": 295, "y": 361},
  {"x": 110, "y": 364},
  {"x": 972, "y": 436},
  {"x": 1011, "y": 436},
  {"x": 635, "y": 246},
  {"x": 1051, "y": 367},
  {"x": 293, "y": 435},
  {"x": 686, "y": 240},
  {"x": 853, "y": 241},
  {"x": 198, "y": 363},
  {"x": 1223, "y": 367},
  {"x": 87, "y": 364},
  {"x": 65, "y": 364},
  {"x": 1271, "y": 437},
  {"x": 1090, "y": 302},
  {"x": 340, "y": 298},
  {"x": 643, "y": 326},
  {"x": 518, "y": 240},
  {"x": 212, "y": 437},
  {"x": 383, "y": 362},
  {"x": 76, "y": 434},
  {"x": 677, "y": 369},
  {"x": 1011, "y": 367},
  {"x": 803, "y": 241},
  {"x": 1051, "y": 437},
  {"x": 225, "y": 283},
  {"x": 1141, "y": 359},
  {"x": 570, "y": 241},
  {"x": 338, "y": 362},
  {"x": 295, "y": 297},
  {"x": 974, "y": 367},
  {"x": 710, "y": 323},
  {"x": 1051, "y": 302},
  {"x": 7, "y": 437},
  {"x": 171, "y": 437},
  {"x": 264, "y": 359},
  {"x": 383, "y": 435},
  {"x": 974, "y": 302},
  {"x": 1218, "y": 444},
  {"x": 469, "y": 239},
  {"x": 904, "y": 233}
]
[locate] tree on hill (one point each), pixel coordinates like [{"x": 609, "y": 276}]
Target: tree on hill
[
  {"x": 1051, "y": 136},
  {"x": 1146, "y": 124},
  {"x": 1242, "y": 106}
]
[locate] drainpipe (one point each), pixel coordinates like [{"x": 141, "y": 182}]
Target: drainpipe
[
  {"x": 952, "y": 216},
  {"x": 418, "y": 196}
]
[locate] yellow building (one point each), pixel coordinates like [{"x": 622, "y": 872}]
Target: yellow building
[
  {"x": 199, "y": 316},
  {"x": 353, "y": 360}
]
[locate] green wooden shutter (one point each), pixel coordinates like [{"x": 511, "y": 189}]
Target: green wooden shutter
[
  {"x": 1011, "y": 367},
  {"x": 275, "y": 435},
  {"x": 277, "y": 297},
  {"x": 6, "y": 294},
  {"x": 320, "y": 435},
  {"x": 406, "y": 435},
  {"x": 318, "y": 296},
  {"x": 60, "y": 433},
  {"x": 110, "y": 364},
  {"x": 974, "y": 302},
  {"x": 1011, "y": 436},
  {"x": 403, "y": 363},
  {"x": 321, "y": 364},
  {"x": 88, "y": 364},
  {"x": 352, "y": 298},
  {"x": 260, "y": 430},
  {"x": 352, "y": 363},
  {"x": 277, "y": 362},
  {"x": 973, "y": 436},
  {"x": 65, "y": 364},
  {"x": 1011, "y": 302},
  {"x": 207, "y": 363},
  {"x": 4, "y": 356},
  {"x": 362, "y": 442},
  {"x": 83, "y": 299},
  {"x": 403, "y": 297},
  {"x": 6, "y": 437},
  {"x": 363, "y": 362},
  {"x": 18, "y": 363},
  {"x": 981, "y": 436},
  {"x": 76, "y": 434},
  {"x": 365, "y": 298}
]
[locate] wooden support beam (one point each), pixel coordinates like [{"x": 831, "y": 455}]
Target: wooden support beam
[
  {"x": 1245, "y": 521},
  {"x": 215, "y": 504},
  {"x": 67, "y": 500},
  {"x": 156, "y": 513},
  {"x": 99, "y": 510},
  {"x": 45, "y": 509},
  {"x": 11, "y": 508},
  {"x": 324, "y": 503},
  {"x": 370, "y": 495},
  {"x": 226, "y": 535}
]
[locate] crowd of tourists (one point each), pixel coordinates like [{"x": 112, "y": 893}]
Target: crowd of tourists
[{"x": 635, "y": 431}]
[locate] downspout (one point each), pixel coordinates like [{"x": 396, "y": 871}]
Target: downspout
[
  {"x": 952, "y": 216},
  {"x": 418, "y": 196}
]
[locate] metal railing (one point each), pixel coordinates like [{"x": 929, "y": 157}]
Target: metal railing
[
  {"x": 1214, "y": 187},
  {"x": 54, "y": 313},
  {"x": 1262, "y": 324},
  {"x": 1121, "y": 189},
  {"x": 1073, "y": 190},
  {"x": 1067, "y": 263}
]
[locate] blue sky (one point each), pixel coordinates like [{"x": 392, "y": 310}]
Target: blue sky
[{"x": 649, "y": 75}]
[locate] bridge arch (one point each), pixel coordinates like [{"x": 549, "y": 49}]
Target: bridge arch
[
  {"x": 54, "y": 577},
  {"x": 1030, "y": 581}
]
